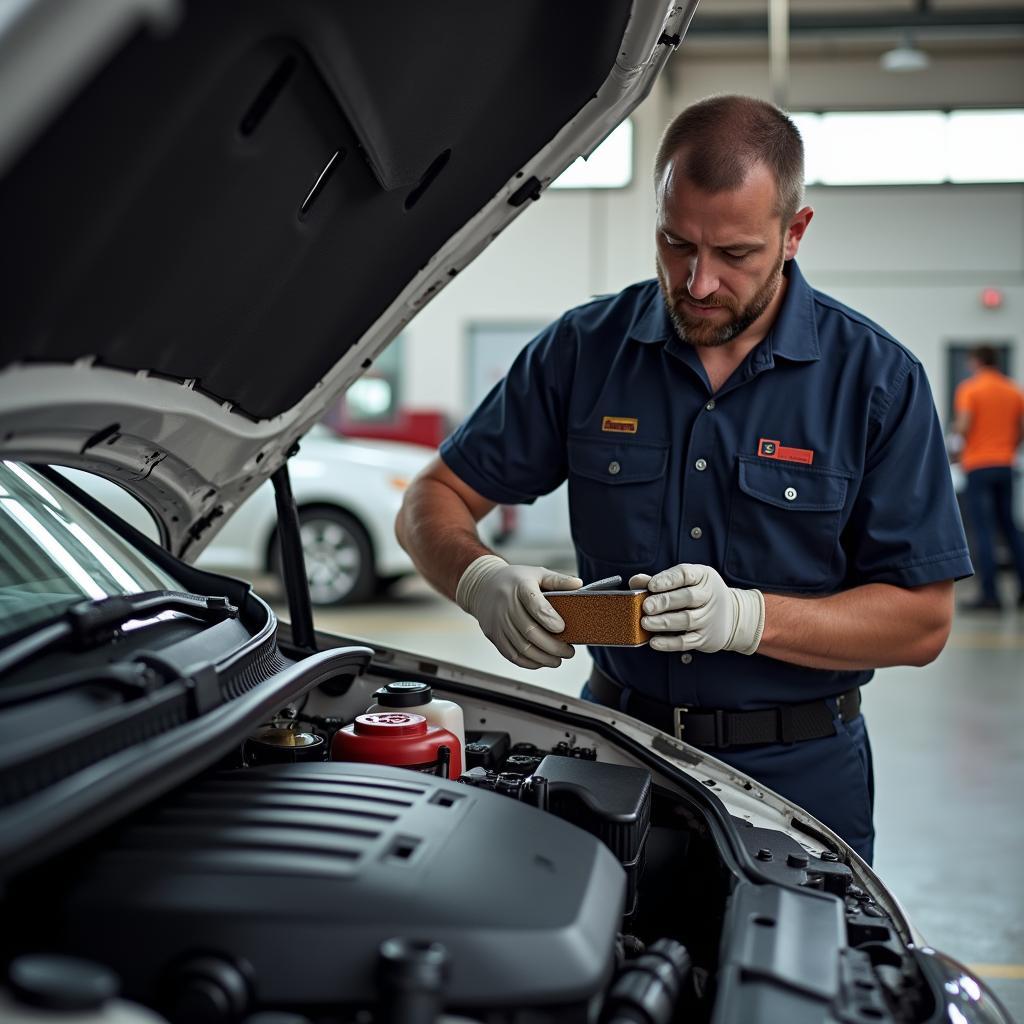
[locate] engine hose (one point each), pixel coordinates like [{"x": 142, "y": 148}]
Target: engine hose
[{"x": 648, "y": 989}]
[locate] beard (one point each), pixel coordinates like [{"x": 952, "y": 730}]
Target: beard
[{"x": 701, "y": 333}]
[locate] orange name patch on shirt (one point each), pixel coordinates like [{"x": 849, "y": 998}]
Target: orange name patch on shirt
[
  {"x": 769, "y": 449},
  {"x": 620, "y": 424}
]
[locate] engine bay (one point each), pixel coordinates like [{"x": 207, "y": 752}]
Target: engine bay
[{"x": 559, "y": 875}]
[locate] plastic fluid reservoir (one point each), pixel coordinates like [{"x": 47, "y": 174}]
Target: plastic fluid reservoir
[
  {"x": 401, "y": 739},
  {"x": 418, "y": 699}
]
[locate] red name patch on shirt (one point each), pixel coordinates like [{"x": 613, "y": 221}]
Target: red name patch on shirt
[
  {"x": 620, "y": 424},
  {"x": 769, "y": 449}
]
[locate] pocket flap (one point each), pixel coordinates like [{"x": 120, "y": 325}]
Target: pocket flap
[
  {"x": 794, "y": 487},
  {"x": 617, "y": 462}
]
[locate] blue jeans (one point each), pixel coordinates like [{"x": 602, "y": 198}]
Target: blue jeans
[
  {"x": 831, "y": 777},
  {"x": 990, "y": 504}
]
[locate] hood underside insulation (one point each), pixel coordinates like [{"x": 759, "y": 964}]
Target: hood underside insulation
[{"x": 237, "y": 200}]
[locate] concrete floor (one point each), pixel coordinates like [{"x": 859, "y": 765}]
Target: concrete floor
[{"x": 948, "y": 744}]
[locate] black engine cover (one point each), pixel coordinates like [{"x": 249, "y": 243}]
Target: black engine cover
[{"x": 301, "y": 871}]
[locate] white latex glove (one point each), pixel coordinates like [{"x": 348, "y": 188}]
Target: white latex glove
[
  {"x": 698, "y": 611},
  {"x": 507, "y": 602}
]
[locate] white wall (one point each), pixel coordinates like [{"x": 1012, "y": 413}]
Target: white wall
[{"x": 914, "y": 259}]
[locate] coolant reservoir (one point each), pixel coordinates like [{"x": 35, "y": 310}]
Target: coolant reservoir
[
  {"x": 418, "y": 699},
  {"x": 400, "y": 739}
]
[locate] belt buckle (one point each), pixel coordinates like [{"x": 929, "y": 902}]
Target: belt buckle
[
  {"x": 841, "y": 708},
  {"x": 678, "y": 727}
]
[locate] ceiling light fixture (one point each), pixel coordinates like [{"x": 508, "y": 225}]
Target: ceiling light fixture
[{"x": 905, "y": 57}]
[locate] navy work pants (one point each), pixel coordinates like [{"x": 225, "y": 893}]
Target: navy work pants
[
  {"x": 831, "y": 777},
  {"x": 990, "y": 505}
]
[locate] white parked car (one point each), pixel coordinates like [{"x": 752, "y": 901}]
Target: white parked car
[{"x": 347, "y": 492}]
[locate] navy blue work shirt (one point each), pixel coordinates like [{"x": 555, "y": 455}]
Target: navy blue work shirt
[{"x": 818, "y": 466}]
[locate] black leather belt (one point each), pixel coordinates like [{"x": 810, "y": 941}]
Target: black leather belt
[{"x": 716, "y": 729}]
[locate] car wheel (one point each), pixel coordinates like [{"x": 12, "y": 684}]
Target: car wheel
[{"x": 339, "y": 558}]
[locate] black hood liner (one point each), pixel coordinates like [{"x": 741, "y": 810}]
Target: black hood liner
[{"x": 158, "y": 223}]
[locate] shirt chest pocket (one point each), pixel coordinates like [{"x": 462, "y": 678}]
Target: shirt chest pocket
[
  {"x": 616, "y": 490},
  {"x": 784, "y": 524}
]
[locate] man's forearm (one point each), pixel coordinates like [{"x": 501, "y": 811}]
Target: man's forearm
[
  {"x": 867, "y": 627},
  {"x": 439, "y": 532}
]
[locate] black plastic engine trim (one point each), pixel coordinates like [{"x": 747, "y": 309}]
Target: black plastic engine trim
[
  {"x": 302, "y": 871},
  {"x": 77, "y": 807}
]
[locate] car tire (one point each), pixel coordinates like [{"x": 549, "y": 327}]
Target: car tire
[{"x": 339, "y": 557}]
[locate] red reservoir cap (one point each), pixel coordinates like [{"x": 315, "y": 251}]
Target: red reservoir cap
[
  {"x": 390, "y": 723},
  {"x": 398, "y": 738}
]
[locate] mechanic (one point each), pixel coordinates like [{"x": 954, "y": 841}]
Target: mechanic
[
  {"x": 989, "y": 417},
  {"x": 765, "y": 461}
]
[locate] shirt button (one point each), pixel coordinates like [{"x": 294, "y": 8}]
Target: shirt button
[
  {"x": 696, "y": 533},
  {"x": 710, "y": 405},
  {"x": 700, "y": 465},
  {"x": 613, "y": 468},
  {"x": 686, "y": 658},
  {"x": 789, "y": 494}
]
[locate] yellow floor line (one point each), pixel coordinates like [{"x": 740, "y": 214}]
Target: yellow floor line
[{"x": 1015, "y": 972}]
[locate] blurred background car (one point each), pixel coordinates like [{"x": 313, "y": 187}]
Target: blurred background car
[{"x": 347, "y": 491}]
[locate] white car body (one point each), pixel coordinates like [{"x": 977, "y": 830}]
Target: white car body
[{"x": 363, "y": 479}]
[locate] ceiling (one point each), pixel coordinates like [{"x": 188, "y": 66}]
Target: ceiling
[{"x": 860, "y": 26}]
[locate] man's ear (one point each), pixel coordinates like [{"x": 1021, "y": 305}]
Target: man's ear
[{"x": 795, "y": 231}]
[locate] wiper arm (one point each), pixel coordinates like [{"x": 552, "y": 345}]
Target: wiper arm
[
  {"x": 131, "y": 681},
  {"x": 91, "y": 623}
]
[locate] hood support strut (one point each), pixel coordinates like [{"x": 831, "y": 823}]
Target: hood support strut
[{"x": 293, "y": 563}]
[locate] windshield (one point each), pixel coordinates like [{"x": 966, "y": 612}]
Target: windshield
[{"x": 55, "y": 553}]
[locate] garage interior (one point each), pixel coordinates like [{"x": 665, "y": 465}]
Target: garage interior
[
  {"x": 919, "y": 259},
  {"x": 173, "y": 761}
]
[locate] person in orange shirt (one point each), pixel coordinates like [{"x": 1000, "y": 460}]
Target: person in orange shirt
[{"x": 989, "y": 411}]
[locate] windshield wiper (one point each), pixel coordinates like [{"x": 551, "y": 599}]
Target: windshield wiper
[
  {"x": 92, "y": 623},
  {"x": 130, "y": 681}
]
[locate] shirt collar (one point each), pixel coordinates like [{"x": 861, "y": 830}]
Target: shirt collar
[
  {"x": 794, "y": 335},
  {"x": 652, "y": 323}
]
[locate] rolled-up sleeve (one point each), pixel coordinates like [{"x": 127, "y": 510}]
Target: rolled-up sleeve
[{"x": 905, "y": 525}]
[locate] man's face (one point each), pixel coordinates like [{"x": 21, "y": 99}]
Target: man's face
[{"x": 720, "y": 256}]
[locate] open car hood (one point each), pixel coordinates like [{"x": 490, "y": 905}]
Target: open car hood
[{"x": 216, "y": 215}]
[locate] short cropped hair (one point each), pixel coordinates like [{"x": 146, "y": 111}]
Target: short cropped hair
[
  {"x": 985, "y": 354},
  {"x": 725, "y": 136}
]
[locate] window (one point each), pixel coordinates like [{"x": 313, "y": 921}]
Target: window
[
  {"x": 609, "y": 166},
  {"x": 375, "y": 396},
  {"x": 54, "y": 553},
  {"x": 913, "y": 147}
]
